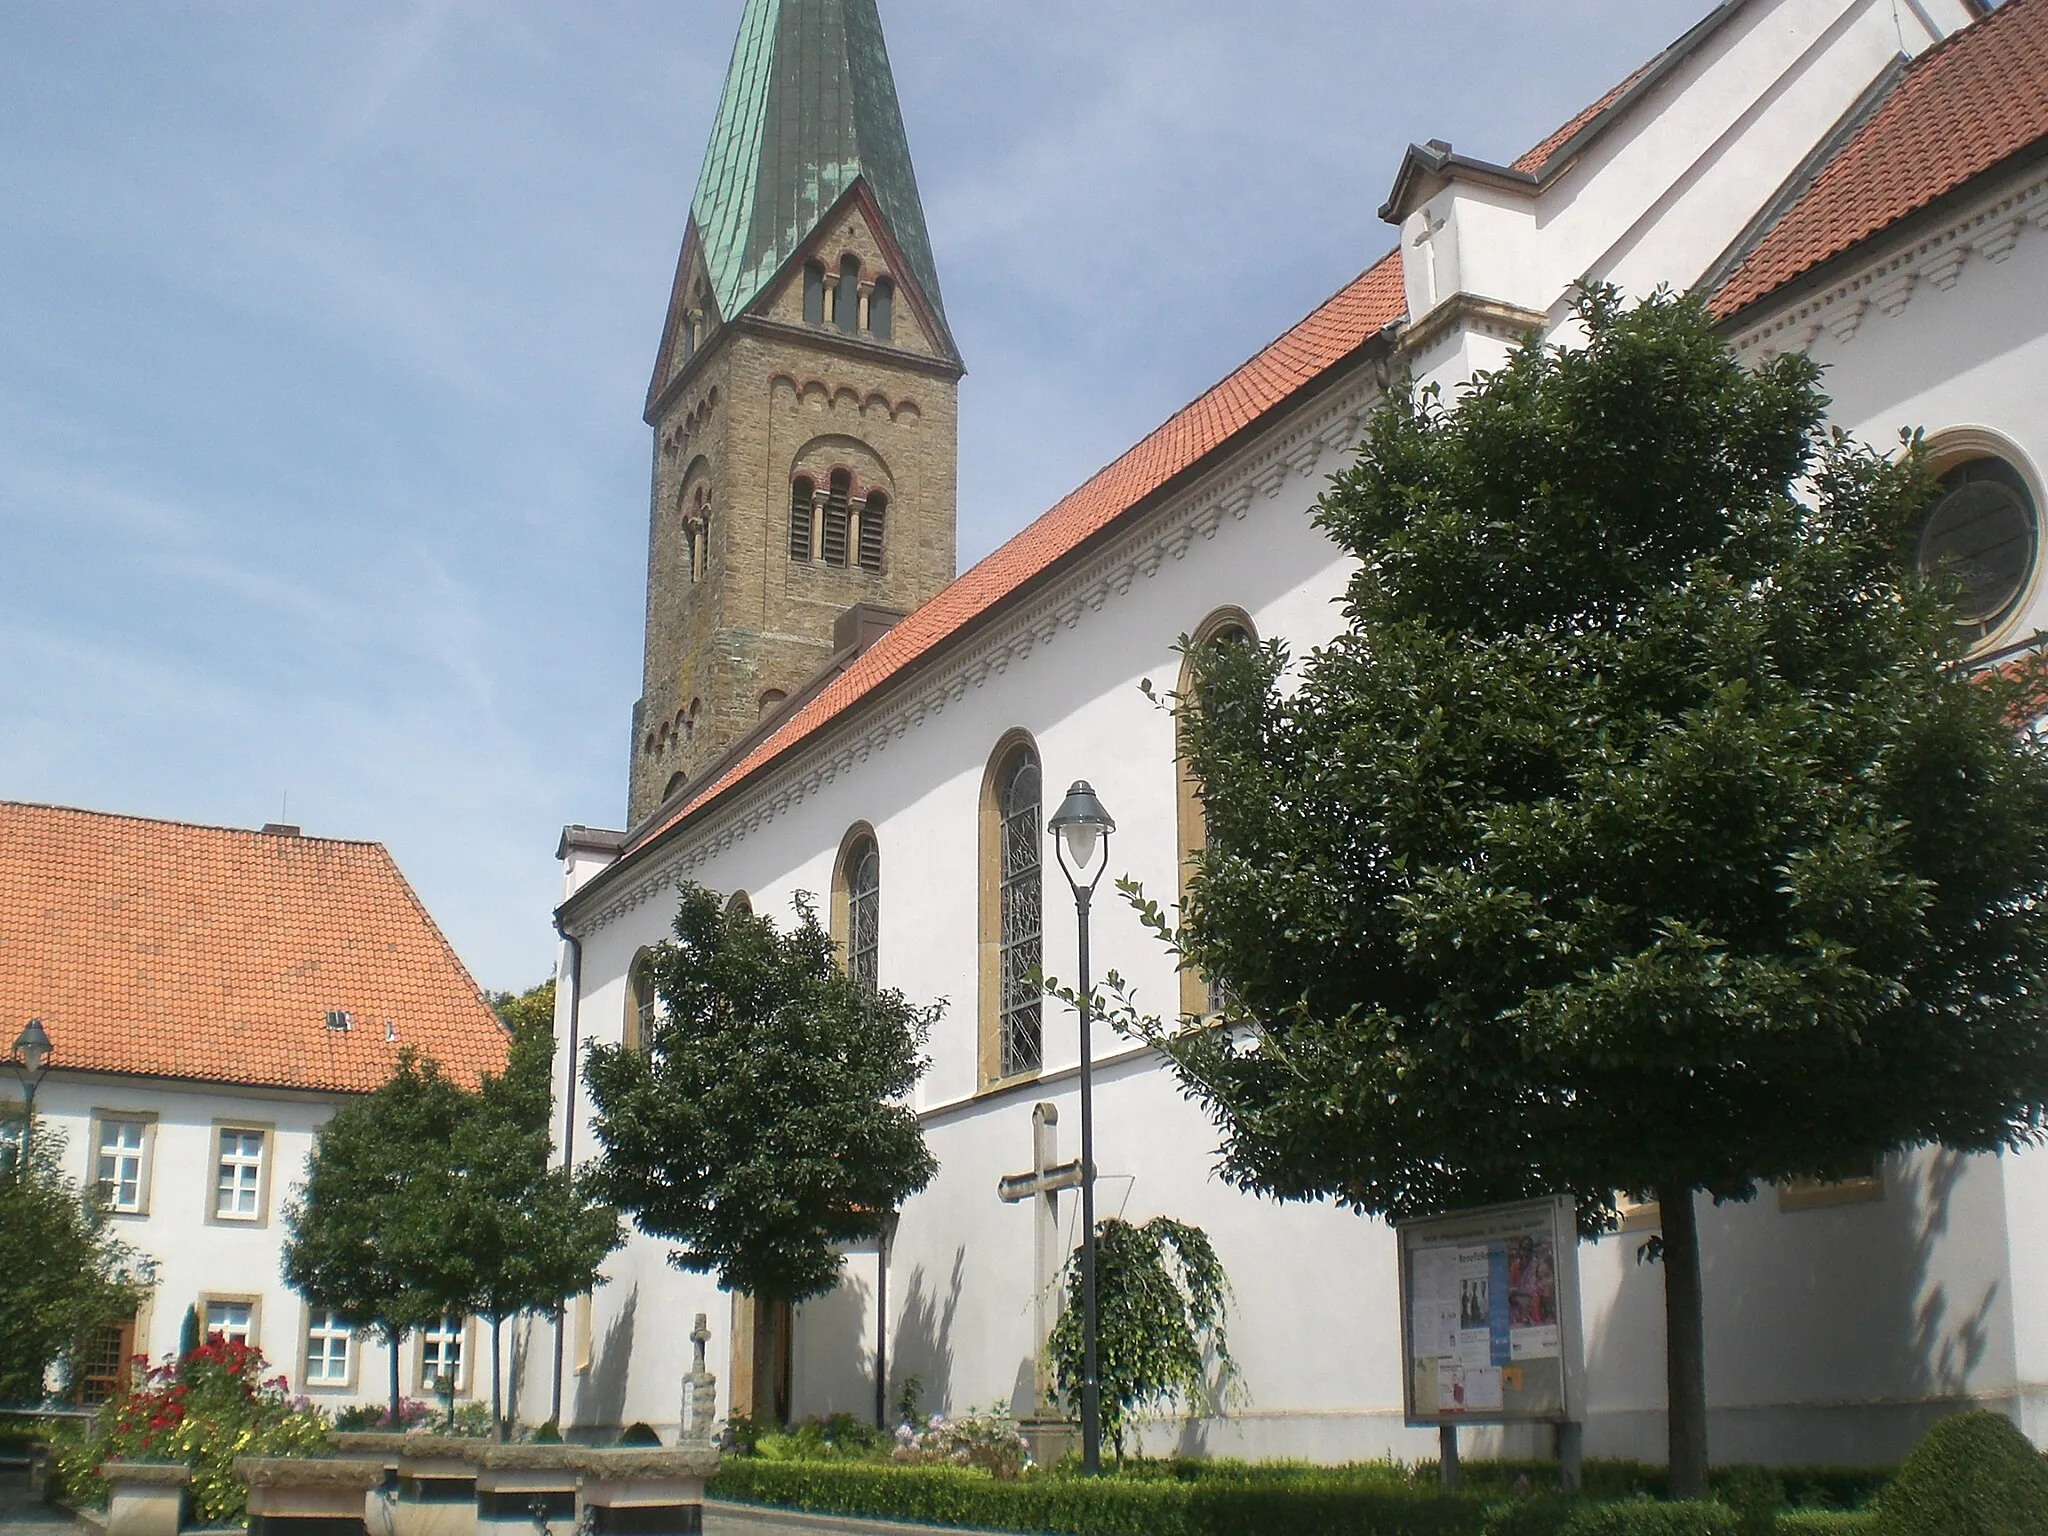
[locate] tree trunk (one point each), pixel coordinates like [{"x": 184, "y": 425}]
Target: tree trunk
[
  {"x": 1685, "y": 1345},
  {"x": 497, "y": 1382},
  {"x": 391, "y": 1337}
]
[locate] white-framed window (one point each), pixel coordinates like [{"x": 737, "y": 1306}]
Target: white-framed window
[
  {"x": 233, "y": 1321},
  {"x": 238, "y": 1184},
  {"x": 121, "y": 1152},
  {"x": 329, "y": 1345},
  {"x": 10, "y": 1140},
  {"x": 442, "y": 1354}
]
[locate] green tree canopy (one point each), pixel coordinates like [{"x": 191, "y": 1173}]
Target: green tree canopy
[
  {"x": 1160, "y": 1299},
  {"x": 525, "y": 1234},
  {"x": 64, "y": 1276},
  {"x": 1642, "y": 830},
  {"x": 367, "y": 1234},
  {"x": 765, "y": 1120}
]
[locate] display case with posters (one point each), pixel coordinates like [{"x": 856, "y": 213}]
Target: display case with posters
[{"x": 1490, "y": 1315}]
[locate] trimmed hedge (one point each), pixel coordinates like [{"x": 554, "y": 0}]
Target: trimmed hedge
[
  {"x": 1972, "y": 1475},
  {"x": 1105, "y": 1506},
  {"x": 1307, "y": 1502},
  {"x": 1825, "y": 1522}
]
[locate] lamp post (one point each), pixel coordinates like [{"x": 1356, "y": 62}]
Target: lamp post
[
  {"x": 1081, "y": 828},
  {"x": 30, "y": 1061},
  {"x": 885, "y": 1237}
]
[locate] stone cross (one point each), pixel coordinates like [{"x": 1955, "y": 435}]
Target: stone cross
[
  {"x": 1042, "y": 1185},
  {"x": 700, "y": 1400}
]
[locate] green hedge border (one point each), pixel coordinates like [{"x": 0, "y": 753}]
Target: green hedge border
[{"x": 1312, "y": 1503}]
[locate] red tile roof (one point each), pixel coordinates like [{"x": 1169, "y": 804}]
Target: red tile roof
[
  {"x": 1535, "y": 159},
  {"x": 1336, "y": 328},
  {"x": 1966, "y": 104},
  {"x": 170, "y": 950}
]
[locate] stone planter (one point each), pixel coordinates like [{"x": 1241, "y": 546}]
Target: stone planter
[
  {"x": 145, "y": 1498},
  {"x": 528, "y": 1488},
  {"x": 429, "y": 1486},
  {"x": 645, "y": 1492},
  {"x": 307, "y": 1495}
]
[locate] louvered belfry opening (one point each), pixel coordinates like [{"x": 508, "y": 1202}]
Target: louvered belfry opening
[
  {"x": 874, "y": 515},
  {"x": 832, "y": 547},
  {"x": 802, "y": 493}
]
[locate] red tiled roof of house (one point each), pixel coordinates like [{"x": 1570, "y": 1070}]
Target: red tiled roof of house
[
  {"x": 1336, "y": 328},
  {"x": 1966, "y": 104},
  {"x": 164, "y": 949}
]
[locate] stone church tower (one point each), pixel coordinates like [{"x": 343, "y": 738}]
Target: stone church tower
[{"x": 803, "y": 400}]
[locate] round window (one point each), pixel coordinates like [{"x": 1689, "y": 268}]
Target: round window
[{"x": 1981, "y": 534}]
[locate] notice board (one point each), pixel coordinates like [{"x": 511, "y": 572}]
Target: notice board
[{"x": 1490, "y": 1315}]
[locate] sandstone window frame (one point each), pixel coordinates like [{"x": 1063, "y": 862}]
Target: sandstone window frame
[
  {"x": 452, "y": 1329},
  {"x": 221, "y": 1158},
  {"x": 643, "y": 1004},
  {"x": 856, "y": 904},
  {"x": 1198, "y": 997},
  {"x": 1819, "y": 1194},
  {"x": 144, "y": 1153},
  {"x": 1011, "y": 911},
  {"x": 1951, "y": 452},
  {"x": 251, "y": 1328},
  {"x": 325, "y": 1325}
]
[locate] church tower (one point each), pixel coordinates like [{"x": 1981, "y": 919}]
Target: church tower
[{"x": 803, "y": 399}]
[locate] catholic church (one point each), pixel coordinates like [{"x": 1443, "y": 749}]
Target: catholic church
[{"x": 828, "y": 708}]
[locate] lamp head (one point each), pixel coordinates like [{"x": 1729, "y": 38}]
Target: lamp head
[
  {"x": 33, "y": 1049},
  {"x": 1081, "y": 823}
]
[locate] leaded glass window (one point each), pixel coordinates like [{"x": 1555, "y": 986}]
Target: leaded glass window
[
  {"x": 1020, "y": 1021},
  {"x": 864, "y": 913}
]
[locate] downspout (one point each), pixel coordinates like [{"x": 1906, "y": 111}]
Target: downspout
[{"x": 568, "y": 1137}]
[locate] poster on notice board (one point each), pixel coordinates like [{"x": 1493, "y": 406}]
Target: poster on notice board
[{"x": 1489, "y": 1314}]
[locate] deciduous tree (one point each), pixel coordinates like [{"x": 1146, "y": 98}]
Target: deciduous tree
[
  {"x": 367, "y": 1234},
  {"x": 64, "y": 1276},
  {"x": 765, "y": 1120},
  {"x": 1643, "y": 830}
]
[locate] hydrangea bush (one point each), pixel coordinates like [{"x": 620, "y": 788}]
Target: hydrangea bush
[
  {"x": 203, "y": 1408},
  {"x": 990, "y": 1441}
]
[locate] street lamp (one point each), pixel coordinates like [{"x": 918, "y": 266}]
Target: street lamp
[
  {"x": 1081, "y": 828},
  {"x": 30, "y": 1061},
  {"x": 885, "y": 1239}
]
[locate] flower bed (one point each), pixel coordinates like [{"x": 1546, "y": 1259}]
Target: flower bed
[{"x": 203, "y": 1410}]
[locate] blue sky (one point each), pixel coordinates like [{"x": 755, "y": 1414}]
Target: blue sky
[{"x": 324, "y": 332}]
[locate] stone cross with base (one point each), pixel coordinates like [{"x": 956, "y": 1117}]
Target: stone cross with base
[
  {"x": 700, "y": 1391},
  {"x": 1042, "y": 1186}
]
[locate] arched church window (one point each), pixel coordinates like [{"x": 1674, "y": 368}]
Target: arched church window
[
  {"x": 1011, "y": 838},
  {"x": 846, "y": 297},
  {"x": 643, "y": 1003},
  {"x": 802, "y": 495},
  {"x": 832, "y": 543},
  {"x": 1982, "y": 535},
  {"x": 814, "y": 293},
  {"x": 740, "y": 903},
  {"x": 874, "y": 515},
  {"x": 857, "y": 907},
  {"x": 770, "y": 701},
  {"x": 882, "y": 309},
  {"x": 1199, "y": 996},
  {"x": 675, "y": 786}
]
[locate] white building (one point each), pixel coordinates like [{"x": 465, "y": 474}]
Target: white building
[
  {"x": 1861, "y": 178},
  {"x": 211, "y": 996}
]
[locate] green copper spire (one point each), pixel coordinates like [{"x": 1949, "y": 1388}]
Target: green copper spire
[{"x": 809, "y": 107}]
